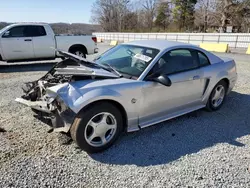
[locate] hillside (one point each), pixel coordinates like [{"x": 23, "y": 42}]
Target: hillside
[{"x": 65, "y": 28}]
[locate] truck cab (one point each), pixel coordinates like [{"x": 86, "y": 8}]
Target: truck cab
[{"x": 38, "y": 41}]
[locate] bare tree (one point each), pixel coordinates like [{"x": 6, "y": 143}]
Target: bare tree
[
  {"x": 225, "y": 13},
  {"x": 150, "y": 10},
  {"x": 204, "y": 14},
  {"x": 230, "y": 9},
  {"x": 177, "y": 15},
  {"x": 109, "y": 13}
]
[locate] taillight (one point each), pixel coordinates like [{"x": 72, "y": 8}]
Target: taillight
[{"x": 94, "y": 39}]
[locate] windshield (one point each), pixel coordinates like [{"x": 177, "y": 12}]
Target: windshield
[{"x": 128, "y": 59}]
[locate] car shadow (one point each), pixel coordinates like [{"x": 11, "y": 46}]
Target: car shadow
[{"x": 188, "y": 134}]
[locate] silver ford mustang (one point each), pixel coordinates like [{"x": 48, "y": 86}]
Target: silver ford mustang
[{"x": 131, "y": 86}]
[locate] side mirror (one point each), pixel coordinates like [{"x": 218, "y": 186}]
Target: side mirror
[{"x": 162, "y": 79}]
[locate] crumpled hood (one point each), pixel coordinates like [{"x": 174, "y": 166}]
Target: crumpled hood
[{"x": 84, "y": 67}]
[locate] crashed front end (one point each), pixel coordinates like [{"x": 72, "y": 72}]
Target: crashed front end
[
  {"x": 48, "y": 107},
  {"x": 43, "y": 96}
]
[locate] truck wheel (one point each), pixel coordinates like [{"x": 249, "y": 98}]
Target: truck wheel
[
  {"x": 97, "y": 127},
  {"x": 79, "y": 52},
  {"x": 217, "y": 96}
]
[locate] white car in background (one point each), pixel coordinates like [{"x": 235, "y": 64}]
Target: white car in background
[{"x": 29, "y": 41}]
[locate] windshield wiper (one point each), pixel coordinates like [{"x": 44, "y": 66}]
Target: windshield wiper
[
  {"x": 97, "y": 58},
  {"x": 104, "y": 66},
  {"x": 119, "y": 74}
]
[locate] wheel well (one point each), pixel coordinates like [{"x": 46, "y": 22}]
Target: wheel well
[
  {"x": 117, "y": 105},
  {"x": 78, "y": 46},
  {"x": 1, "y": 58},
  {"x": 226, "y": 81}
]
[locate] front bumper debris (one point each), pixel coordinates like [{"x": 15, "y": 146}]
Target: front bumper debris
[
  {"x": 37, "y": 105},
  {"x": 60, "y": 119}
]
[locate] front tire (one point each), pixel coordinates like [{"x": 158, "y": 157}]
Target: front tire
[
  {"x": 96, "y": 128},
  {"x": 217, "y": 96}
]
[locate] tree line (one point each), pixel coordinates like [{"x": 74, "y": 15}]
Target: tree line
[{"x": 172, "y": 15}]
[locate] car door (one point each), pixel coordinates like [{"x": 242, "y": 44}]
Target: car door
[
  {"x": 161, "y": 102},
  {"x": 43, "y": 43},
  {"x": 17, "y": 44}
]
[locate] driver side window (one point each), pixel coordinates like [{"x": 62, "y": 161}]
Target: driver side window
[
  {"x": 176, "y": 61},
  {"x": 18, "y": 31}
]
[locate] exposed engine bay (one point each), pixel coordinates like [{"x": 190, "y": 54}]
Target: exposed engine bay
[
  {"x": 36, "y": 90},
  {"x": 47, "y": 105}
]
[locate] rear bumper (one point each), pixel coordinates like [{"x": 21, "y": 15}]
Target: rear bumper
[{"x": 232, "y": 84}]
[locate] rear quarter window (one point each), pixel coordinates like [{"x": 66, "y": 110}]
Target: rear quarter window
[
  {"x": 204, "y": 61},
  {"x": 183, "y": 52}
]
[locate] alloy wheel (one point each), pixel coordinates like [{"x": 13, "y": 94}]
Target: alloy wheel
[
  {"x": 100, "y": 129},
  {"x": 218, "y": 96}
]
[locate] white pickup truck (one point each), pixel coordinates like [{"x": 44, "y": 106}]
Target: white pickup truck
[{"x": 38, "y": 41}]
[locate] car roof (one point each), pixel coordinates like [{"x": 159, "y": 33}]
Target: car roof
[
  {"x": 163, "y": 45},
  {"x": 159, "y": 44},
  {"x": 29, "y": 23}
]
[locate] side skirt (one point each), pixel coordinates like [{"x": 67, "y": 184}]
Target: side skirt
[{"x": 171, "y": 116}]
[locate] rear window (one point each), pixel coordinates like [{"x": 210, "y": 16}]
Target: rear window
[{"x": 36, "y": 31}]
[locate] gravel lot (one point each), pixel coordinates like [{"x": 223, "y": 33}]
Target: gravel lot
[{"x": 202, "y": 149}]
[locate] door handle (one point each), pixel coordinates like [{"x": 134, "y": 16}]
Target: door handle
[
  {"x": 27, "y": 40},
  {"x": 196, "y": 77}
]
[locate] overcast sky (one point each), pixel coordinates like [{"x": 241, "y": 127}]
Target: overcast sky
[{"x": 71, "y": 11}]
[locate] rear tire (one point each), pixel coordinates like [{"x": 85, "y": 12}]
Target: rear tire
[
  {"x": 79, "y": 52},
  {"x": 217, "y": 96},
  {"x": 97, "y": 127}
]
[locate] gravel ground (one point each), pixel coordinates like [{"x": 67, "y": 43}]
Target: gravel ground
[{"x": 202, "y": 149}]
